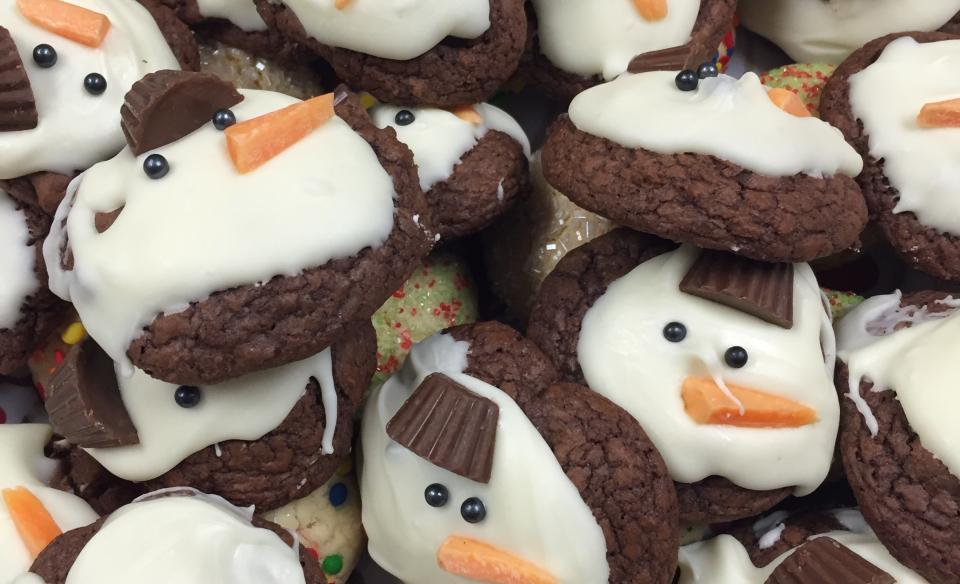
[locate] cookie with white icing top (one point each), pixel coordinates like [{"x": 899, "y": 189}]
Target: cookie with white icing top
[{"x": 426, "y": 52}]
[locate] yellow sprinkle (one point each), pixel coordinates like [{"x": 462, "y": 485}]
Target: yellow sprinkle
[
  {"x": 74, "y": 334},
  {"x": 367, "y": 100}
]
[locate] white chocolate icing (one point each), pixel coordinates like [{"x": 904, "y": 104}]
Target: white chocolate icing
[
  {"x": 728, "y": 118},
  {"x": 625, "y": 357},
  {"x": 920, "y": 163},
  {"x": 533, "y": 510},
  {"x": 439, "y": 139},
  {"x": 242, "y": 13},
  {"x": 392, "y": 29},
  {"x": 724, "y": 560},
  {"x": 184, "y": 539},
  {"x": 77, "y": 129},
  {"x": 22, "y": 464},
  {"x": 246, "y": 408},
  {"x": 204, "y": 227},
  {"x": 16, "y": 262},
  {"x": 819, "y": 31},
  {"x": 601, "y": 37}
]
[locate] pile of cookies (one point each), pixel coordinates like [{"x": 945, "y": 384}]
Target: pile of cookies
[{"x": 285, "y": 299}]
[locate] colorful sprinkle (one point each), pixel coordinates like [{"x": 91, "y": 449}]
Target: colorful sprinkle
[
  {"x": 333, "y": 564},
  {"x": 74, "y": 334},
  {"x": 338, "y": 494}
]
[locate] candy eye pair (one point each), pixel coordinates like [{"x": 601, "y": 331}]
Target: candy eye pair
[
  {"x": 472, "y": 510},
  {"x": 735, "y": 357},
  {"x": 45, "y": 56}
]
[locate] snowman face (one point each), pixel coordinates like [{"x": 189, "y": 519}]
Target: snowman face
[
  {"x": 667, "y": 357},
  {"x": 16, "y": 262},
  {"x": 78, "y": 120}
]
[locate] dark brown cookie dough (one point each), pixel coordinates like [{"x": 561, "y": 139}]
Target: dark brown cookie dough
[
  {"x": 924, "y": 248},
  {"x": 797, "y": 528},
  {"x": 454, "y": 72},
  {"x": 717, "y": 499},
  {"x": 703, "y": 200},
  {"x": 178, "y": 35},
  {"x": 952, "y": 26}
]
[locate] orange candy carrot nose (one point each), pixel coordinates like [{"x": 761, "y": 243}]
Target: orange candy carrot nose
[
  {"x": 789, "y": 102},
  {"x": 706, "y": 403},
  {"x": 467, "y": 113},
  {"x": 67, "y": 20},
  {"x": 652, "y": 10},
  {"x": 940, "y": 114},
  {"x": 32, "y": 520},
  {"x": 484, "y": 563}
]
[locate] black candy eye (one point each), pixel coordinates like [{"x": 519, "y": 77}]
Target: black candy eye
[
  {"x": 687, "y": 80},
  {"x": 473, "y": 510},
  {"x": 187, "y": 396},
  {"x": 675, "y": 332},
  {"x": 156, "y": 166},
  {"x": 223, "y": 119},
  {"x": 707, "y": 69},
  {"x": 436, "y": 495},
  {"x": 44, "y": 56},
  {"x": 735, "y": 357},
  {"x": 404, "y": 118},
  {"x": 95, "y": 83}
]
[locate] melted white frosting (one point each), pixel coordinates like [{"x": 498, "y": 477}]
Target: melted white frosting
[
  {"x": 728, "y": 118},
  {"x": 625, "y": 357},
  {"x": 533, "y": 510},
  {"x": 22, "y": 464},
  {"x": 242, "y": 13},
  {"x": 188, "y": 540},
  {"x": 921, "y": 163},
  {"x": 439, "y": 139},
  {"x": 601, "y": 37},
  {"x": 246, "y": 408},
  {"x": 392, "y": 29},
  {"x": 819, "y": 31},
  {"x": 16, "y": 262},
  {"x": 77, "y": 129},
  {"x": 204, "y": 227}
]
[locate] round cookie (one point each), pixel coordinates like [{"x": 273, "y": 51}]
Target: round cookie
[
  {"x": 431, "y": 52},
  {"x": 686, "y": 340},
  {"x": 527, "y": 463},
  {"x": 804, "y": 79},
  {"x": 732, "y": 182},
  {"x": 818, "y": 31},
  {"x": 223, "y": 280},
  {"x": 909, "y": 174},
  {"x": 898, "y": 431},
  {"x": 472, "y": 161}
]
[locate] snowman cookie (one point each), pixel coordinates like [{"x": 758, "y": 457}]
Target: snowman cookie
[
  {"x": 424, "y": 52},
  {"x": 898, "y": 434},
  {"x": 581, "y": 44},
  {"x": 239, "y": 231},
  {"x": 472, "y": 161},
  {"x": 893, "y": 103},
  {"x": 726, "y": 362},
  {"x": 827, "y": 31},
  {"x": 478, "y": 467},
  {"x": 717, "y": 162},
  {"x": 178, "y": 535}
]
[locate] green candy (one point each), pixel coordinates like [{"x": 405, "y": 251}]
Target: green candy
[
  {"x": 842, "y": 302},
  {"x": 804, "y": 79},
  {"x": 333, "y": 564}
]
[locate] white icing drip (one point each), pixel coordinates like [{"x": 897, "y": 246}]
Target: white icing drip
[
  {"x": 22, "y": 464},
  {"x": 439, "y": 139},
  {"x": 768, "y": 522},
  {"x": 16, "y": 262},
  {"x": 242, "y": 13},
  {"x": 728, "y": 118},
  {"x": 770, "y": 538},
  {"x": 600, "y": 37},
  {"x": 216, "y": 450},
  {"x": 244, "y": 513},
  {"x": 75, "y": 128},
  {"x": 921, "y": 164},
  {"x": 852, "y": 520},
  {"x": 246, "y": 408},
  {"x": 818, "y": 31},
  {"x": 532, "y": 507},
  {"x": 625, "y": 357},
  {"x": 392, "y": 29},
  {"x": 205, "y": 228},
  {"x": 189, "y": 540}
]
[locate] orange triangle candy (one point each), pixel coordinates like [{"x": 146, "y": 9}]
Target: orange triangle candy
[
  {"x": 706, "y": 403},
  {"x": 789, "y": 102},
  {"x": 940, "y": 114},
  {"x": 467, "y": 113},
  {"x": 34, "y": 523},
  {"x": 651, "y": 10},
  {"x": 341, "y": 4},
  {"x": 483, "y": 562},
  {"x": 67, "y": 20}
]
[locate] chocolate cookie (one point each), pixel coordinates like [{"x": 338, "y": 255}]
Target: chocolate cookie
[
  {"x": 628, "y": 309},
  {"x": 528, "y": 461},
  {"x": 892, "y": 443},
  {"x": 441, "y": 54},
  {"x": 901, "y": 205}
]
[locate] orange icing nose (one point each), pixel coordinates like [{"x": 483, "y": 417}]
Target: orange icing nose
[
  {"x": 34, "y": 523},
  {"x": 485, "y": 563},
  {"x": 652, "y": 10},
  {"x": 940, "y": 114},
  {"x": 706, "y": 403},
  {"x": 67, "y": 20},
  {"x": 789, "y": 102}
]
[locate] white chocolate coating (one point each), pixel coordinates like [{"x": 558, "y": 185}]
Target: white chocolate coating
[
  {"x": 22, "y": 464},
  {"x": 242, "y": 13},
  {"x": 439, "y": 139},
  {"x": 77, "y": 129},
  {"x": 392, "y": 29},
  {"x": 16, "y": 262},
  {"x": 827, "y": 31},
  {"x": 601, "y": 37},
  {"x": 184, "y": 539},
  {"x": 920, "y": 163},
  {"x": 533, "y": 510},
  {"x": 204, "y": 227},
  {"x": 728, "y": 118},
  {"x": 625, "y": 357}
]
